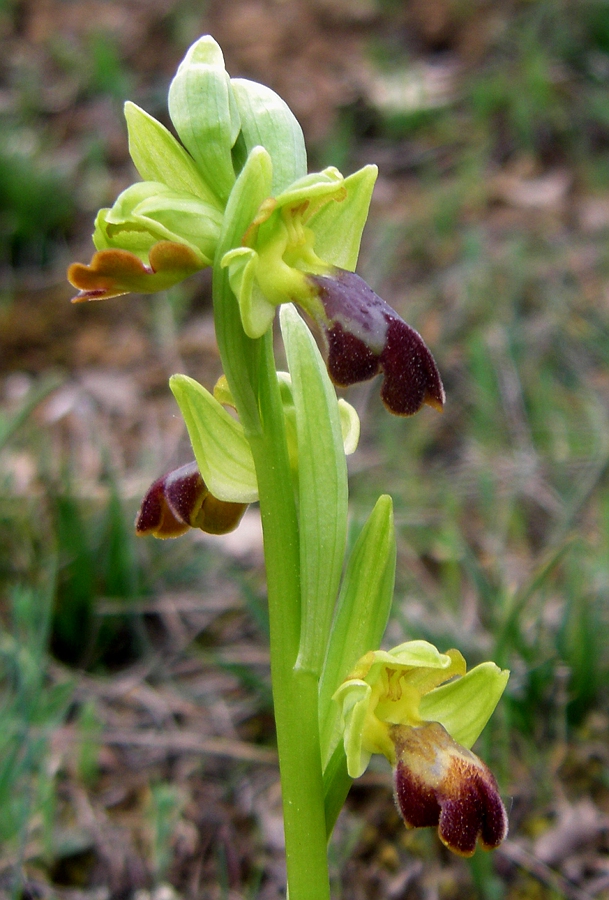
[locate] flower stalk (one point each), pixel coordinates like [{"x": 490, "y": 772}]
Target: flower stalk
[{"x": 235, "y": 194}]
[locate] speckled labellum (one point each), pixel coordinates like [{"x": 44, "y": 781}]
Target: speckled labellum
[
  {"x": 365, "y": 336},
  {"x": 181, "y": 500},
  {"x": 439, "y": 782}
]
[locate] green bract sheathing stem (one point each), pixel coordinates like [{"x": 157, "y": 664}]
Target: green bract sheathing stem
[
  {"x": 362, "y": 612},
  {"x": 322, "y": 487},
  {"x": 239, "y": 353}
]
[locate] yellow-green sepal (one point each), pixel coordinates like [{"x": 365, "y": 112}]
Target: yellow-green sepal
[
  {"x": 361, "y": 615},
  {"x": 267, "y": 121},
  {"x": 221, "y": 449},
  {"x": 338, "y": 226},
  {"x": 159, "y": 157},
  {"x": 464, "y": 706}
]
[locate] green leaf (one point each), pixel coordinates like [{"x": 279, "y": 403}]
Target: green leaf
[
  {"x": 267, "y": 121},
  {"x": 159, "y": 157},
  {"x": 362, "y": 612},
  {"x": 221, "y": 449},
  {"x": 464, "y": 706},
  {"x": 205, "y": 115},
  {"x": 338, "y": 226},
  {"x": 322, "y": 487}
]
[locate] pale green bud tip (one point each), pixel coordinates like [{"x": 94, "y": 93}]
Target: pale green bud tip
[{"x": 205, "y": 51}]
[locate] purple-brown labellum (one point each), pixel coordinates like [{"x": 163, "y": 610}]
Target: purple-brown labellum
[
  {"x": 365, "y": 336},
  {"x": 181, "y": 500},
  {"x": 439, "y": 782}
]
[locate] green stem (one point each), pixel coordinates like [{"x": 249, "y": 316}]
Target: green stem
[
  {"x": 249, "y": 367},
  {"x": 295, "y": 693}
]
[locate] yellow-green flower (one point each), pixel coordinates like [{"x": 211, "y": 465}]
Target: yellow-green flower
[{"x": 423, "y": 711}]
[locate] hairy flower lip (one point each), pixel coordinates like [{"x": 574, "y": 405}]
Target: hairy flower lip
[
  {"x": 365, "y": 336},
  {"x": 112, "y": 273},
  {"x": 180, "y": 500},
  {"x": 440, "y": 783}
]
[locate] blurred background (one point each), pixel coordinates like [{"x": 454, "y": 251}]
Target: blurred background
[{"x": 136, "y": 737}]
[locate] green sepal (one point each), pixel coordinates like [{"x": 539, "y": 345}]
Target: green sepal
[
  {"x": 314, "y": 187},
  {"x": 149, "y": 212},
  {"x": 362, "y": 612},
  {"x": 464, "y": 706},
  {"x": 267, "y": 121},
  {"x": 322, "y": 488},
  {"x": 205, "y": 115},
  {"x": 237, "y": 349},
  {"x": 338, "y": 226},
  {"x": 221, "y": 449},
  {"x": 159, "y": 157}
]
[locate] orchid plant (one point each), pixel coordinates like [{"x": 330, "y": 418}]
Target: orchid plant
[{"x": 235, "y": 195}]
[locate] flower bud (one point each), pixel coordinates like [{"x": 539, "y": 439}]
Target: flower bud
[
  {"x": 149, "y": 212},
  {"x": 181, "y": 500},
  {"x": 439, "y": 782}
]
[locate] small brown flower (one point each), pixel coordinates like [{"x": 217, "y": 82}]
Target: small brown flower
[
  {"x": 365, "y": 336},
  {"x": 439, "y": 782},
  {"x": 181, "y": 500}
]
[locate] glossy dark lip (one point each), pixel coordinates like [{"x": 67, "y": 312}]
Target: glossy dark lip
[
  {"x": 181, "y": 500},
  {"x": 455, "y": 791},
  {"x": 364, "y": 336}
]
